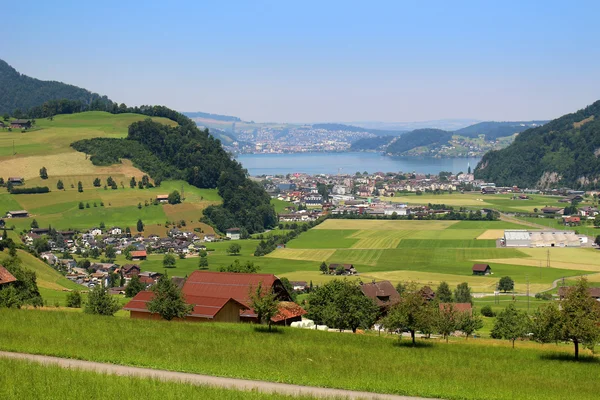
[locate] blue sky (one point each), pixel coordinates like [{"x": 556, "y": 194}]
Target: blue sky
[{"x": 318, "y": 60}]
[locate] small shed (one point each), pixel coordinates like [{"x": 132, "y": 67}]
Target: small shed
[{"x": 482, "y": 269}]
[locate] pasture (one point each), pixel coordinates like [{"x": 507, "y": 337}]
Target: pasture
[{"x": 309, "y": 357}]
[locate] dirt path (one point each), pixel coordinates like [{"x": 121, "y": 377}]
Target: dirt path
[{"x": 196, "y": 379}]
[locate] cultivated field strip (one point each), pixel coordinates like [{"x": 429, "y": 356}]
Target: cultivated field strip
[{"x": 302, "y": 254}]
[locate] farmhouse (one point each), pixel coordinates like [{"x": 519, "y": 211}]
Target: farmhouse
[
  {"x": 21, "y": 124},
  {"x": 5, "y": 276},
  {"x": 130, "y": 270},
  {"x": 233, "y": 233},
  {"x": 572, "y": 220},
  {"x": 17, "y": 214},
  {"x": 552, "y": 210},
  {"x": 162, "y": 198},
  {"x": 383, "y": 293},
  {"x": 299, "y": 286},
  {"x": 138, "y": 255},
  {"x": 342, "y": 269},
  {"x": 564, "y": 290},
  {"x": 16, "y": 180},
  {"x": 427, "y": 293},
  {"x": 481, "y": 269}
]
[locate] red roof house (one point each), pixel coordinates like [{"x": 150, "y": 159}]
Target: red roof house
[
  {"x": 481, "y": 269},
  {"x": 383, "y": 293},
  {"x": 138, "y": 255},
  {"x": 458, "y": 307},
  {"x": 5, "y": 276}
]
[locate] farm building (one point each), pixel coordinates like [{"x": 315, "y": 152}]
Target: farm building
[
  {"x": 342, "y": 269},
  {"x": 5, "y": 276},
  {"x": 427, "y": 293},
  {"x": 162, "y": 198},
  {"x": 21, "y": 124},
  {"x": 564, "y": 290},
  {"x": 233, "y": 233},
  {"x": 481, "y": 269},
  {"x": 16, "y": 180},
  {"x": 552, "y": 210},
  {"x": 130, "y": 270},
  {"x": 383, "y": 293},
  {"x": 517, "y": 238},
  {"x": 138, "y": 255},
  {"x": 524, "y": 238},
  {"x": 17, "y": 214}
]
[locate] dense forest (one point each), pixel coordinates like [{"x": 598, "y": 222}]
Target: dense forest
[
  {"x": 494, "y": 130},
  {"x": 371, "y": 144},
  {"x": 563, "y": 152},
  {"x": 418, "y": 138},
  {"x": 19, "y": 92}
]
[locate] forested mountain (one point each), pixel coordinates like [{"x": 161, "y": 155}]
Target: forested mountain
[
  {"x": 563, "y": 152},
  {"x": 216, "y": 117},
  {"x": 20, "y": 92},
  {"x": 352, "y": 128},
  {"x": 418, "y": 138},
  {"x": 494, "y": 130},
  {"x": 371, "y": 144}
]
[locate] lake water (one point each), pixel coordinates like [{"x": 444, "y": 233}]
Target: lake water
[{"x": 349, "y": 163}]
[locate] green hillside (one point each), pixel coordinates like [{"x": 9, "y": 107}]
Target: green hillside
[
  {"x": 418, "y": 138},
  {"x": 564, "y": 152},
  {"x": 494, "y": 130}
]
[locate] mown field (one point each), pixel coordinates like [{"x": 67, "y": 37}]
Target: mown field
[
  {"x": 311, "y": 358},
  {"x": 27, "y": 380}
]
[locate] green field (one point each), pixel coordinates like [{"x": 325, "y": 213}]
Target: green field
[
  {"x": 310, "y": 357},
  {"x": 28, "y": 380}
]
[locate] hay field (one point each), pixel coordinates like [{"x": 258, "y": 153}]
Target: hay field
[
  {"x": 298, "y": 254},
  {"x": 491, "y": 234},
  {"x": 382, "y": 225}
]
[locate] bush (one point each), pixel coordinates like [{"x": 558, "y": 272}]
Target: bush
[
  {"x": 487, "y": 311},
  {"x": 31, "y": 190},
  {"x": 74, "y": 299},
  {"x": 543, "y": 296}
]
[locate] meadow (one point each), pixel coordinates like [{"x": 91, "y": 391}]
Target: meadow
[
  {"x": 28, "y": 380},
  {"x": 310, "y": 358}
]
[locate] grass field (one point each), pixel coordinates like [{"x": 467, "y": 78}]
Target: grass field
[
  {"x": 310, "y": 357},
  {"x": 27, "y": 380}
]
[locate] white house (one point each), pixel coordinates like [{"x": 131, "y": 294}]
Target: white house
[
  {"x": 233, "y": 233},
  {"x": 115, "y": 231},
  {"x": 95, "y": 231}
]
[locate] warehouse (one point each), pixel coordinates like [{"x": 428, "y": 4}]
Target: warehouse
[{"x": 524, "y": 238}]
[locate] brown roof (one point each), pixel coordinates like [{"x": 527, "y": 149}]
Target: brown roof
[
  {"x": 288, "y": 310},
  {"x": 5, "y": 276},
  {"x": 594, "y": 291},
  {"x": 459, "y": 307},
  {"x": 480, "y": 267},
  {"x": 346, "y": 266},
  {"x": 427, "y": 293},
  {"x": 138, "y": 253},
  {"x": 204, "y": 307},
  {"x": 383, "y": 292}
]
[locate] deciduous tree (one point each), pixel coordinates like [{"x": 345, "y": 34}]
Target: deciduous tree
[
  {"x": 506, "y": 284},
  {"x": 511, "y": 324},
  {"x": 101, "y": 302},
  {"x": 168, "y": 300},
  {"x": 264, "y": 303},
  {"x": 169, "y": 261},
  {"x": 134, "y": 286},
  {"x": 462, "y": 294}
]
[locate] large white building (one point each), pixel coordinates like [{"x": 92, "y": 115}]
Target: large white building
[{"x": 525, "y": 238}]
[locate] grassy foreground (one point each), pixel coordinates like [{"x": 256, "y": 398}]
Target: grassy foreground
[
  {"x": 459, "y": 370},
  {"x": 26, "y": 380}
]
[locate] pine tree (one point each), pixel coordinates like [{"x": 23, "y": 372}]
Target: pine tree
[{"x": 444, "y": 294}]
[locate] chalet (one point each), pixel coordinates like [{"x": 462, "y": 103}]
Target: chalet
[
  {"x": 552, "y": 210},
  {"x": 162, "y": 198},
  {"x": 17, "y": 214},
  {"x": 564, "y": 290},
  {"x": 5, "y": 276},
  {"x": 40, "y": 231},
  {"x": 342, "y": 269},
  {"x": 383, "y": 293},
  {"x": 130, "y": 270},
  {"x": 458, "y": 307},
  {"x": 20, "y": 124},
  {"x": 572, "y": 220},
  {"x": 233, "y": 233},
  {"x": 115, "y": 231},
  {"x": 117, "y": 290},
  {"x": 138, "y": 255},
  {"x": 588, "y": 211},
  {"x": 49, "y": 258},
  {"x": 481, "y": 269},
  {"x": 95, "y": 232}
]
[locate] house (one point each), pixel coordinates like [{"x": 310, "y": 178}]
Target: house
[
  {"x": 552, "y": 210},
  {"x": 342, "y": 269},
  {"x": 49, "y": 258},
  {"x": 299, "y": 286},
  {"x": 20, "y": 124},
  {"x": 489, "y": 190},
  {"x": 95, "y": 232},
  {"x": 383, "y": 293},
  {"x": 16, "y": 180},
  {"x": 40, "y": 231},
  {"x": 162, "y": 198},
  {"x": 115, "y": 231},
  {"x": 564, "y": 290},
  {"x": 458, "y": 307},
  {"x": 17, "y": 214},
  {"x": 572, "y": 220},
  {"x": 233, "y": 233},
  {"x": 5, "y": 276},
  {"x": 481, "y": 269},
  {"x": 138, "y": 255},
  {"x": 130, "y": 270}
]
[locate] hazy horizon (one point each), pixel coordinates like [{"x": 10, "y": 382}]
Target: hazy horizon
[{"x": 338, "y": 61}]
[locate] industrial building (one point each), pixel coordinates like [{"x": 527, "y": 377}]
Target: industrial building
[{"x": 525, "y": 238}]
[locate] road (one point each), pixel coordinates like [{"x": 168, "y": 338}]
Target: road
[{"x": 197, "y": 379}]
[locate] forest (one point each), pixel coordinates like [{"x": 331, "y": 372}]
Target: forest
[
  {"x": 418, "y": 138},
  {"x": 370, "y": 144},
  {"x": 563, "y": 152}
]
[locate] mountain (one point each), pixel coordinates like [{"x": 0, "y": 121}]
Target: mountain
[
  {"x": 494, "y": 130},
  {"x": 444, "y": 124},
  {"x": 418, "y": 138},
  {"x": 352, "y": 128},
  {"x": 216, "y": 117},
  {"x": 563, "y": 152},
  {"x": 20, "y": 92},
  {"x": 372, "y": 143}
]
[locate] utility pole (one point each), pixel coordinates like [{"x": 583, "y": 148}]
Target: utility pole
[
  {"x": 527, "y": 276},
  {"x": 548, "y": 259}
]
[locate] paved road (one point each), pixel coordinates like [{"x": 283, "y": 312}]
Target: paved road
[{"x": 196, "y": 379}]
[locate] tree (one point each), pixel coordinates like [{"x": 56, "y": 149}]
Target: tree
[
  {"x": 511, "y": 324},
  {"x": 79, "y": 187},
  {"x": 34, "y": 224},
  {"x": 506, "y": 284},
  {"x": 597, "y": 221},
  {"x": 203, "y": 263},
  {"x": 174, "y": 197},
  {"x": 341, "y": 304},
  {"x": 101, "y": 302},
  {"x": 25, "y": 289},
  {"x": 168, "y": 300},
  {"x": 60, "y": 185},
  {"x": 140, "y": 225},
  {"x": 462, "y": 293},
  {"x": 444, "y": 294},
  {"x": 43, "y": 173},
  {"x": 6, "y": 117},
  {"x": 110, "y": 252},
  {"x": 74, "y": 299},
  {"x": 132, "y": 182},
  {"x": 410, "y": 314},
  {"x": 41, "y": 245},
  {"x": 134, "y": 286},
  {"x": 447, "y": 320},
  {"x": 323, "y": 267},
  {"x": 264, "y": 303},
  {"x": 247, "y": 268},
  {"x": 97, "y": 182},
  {"x": 469, "y": 322},
  {"x": 234, "y": 249},
  {"x": 81, "y": 205},
  {"x": 597, "y": 240},
  {"x": 169, "y": 261}
]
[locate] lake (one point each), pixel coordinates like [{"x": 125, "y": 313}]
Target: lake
[{"x": 349, "y": 163}]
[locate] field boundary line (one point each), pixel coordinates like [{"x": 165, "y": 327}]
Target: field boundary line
[{"x": 203, "y": 380}]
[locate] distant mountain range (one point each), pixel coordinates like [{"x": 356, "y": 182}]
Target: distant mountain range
[
  {"x": 20, "y": 92},
  {"x": 563, "y": 152}
]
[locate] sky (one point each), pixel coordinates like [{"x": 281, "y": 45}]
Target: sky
[{"x": 317, "y": 61}]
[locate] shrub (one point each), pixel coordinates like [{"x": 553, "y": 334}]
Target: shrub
[
  {"x": 74, "y": 299},
  {"x": 487, "y": 311},
  {"x": 543, "y": 296}
]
